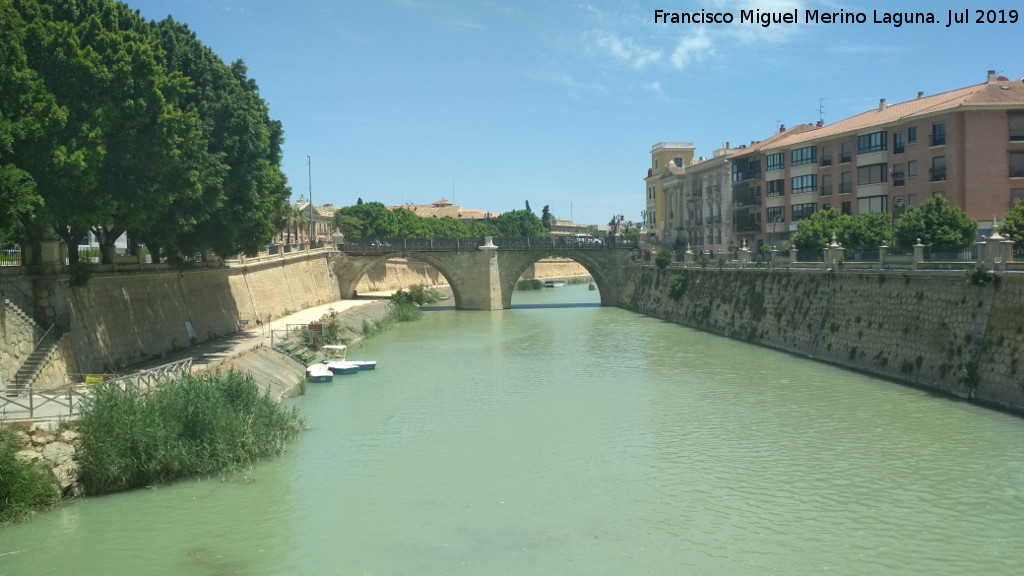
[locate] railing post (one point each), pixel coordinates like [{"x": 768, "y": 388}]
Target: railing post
[{"x": 918, "y": 254}]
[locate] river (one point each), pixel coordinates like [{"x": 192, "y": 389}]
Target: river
[{"x": 562, "y": 438}]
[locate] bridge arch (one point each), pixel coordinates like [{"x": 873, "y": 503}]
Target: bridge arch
[
  {"x": 349, "y": 270},
  {"x": 595, "y": 262}
]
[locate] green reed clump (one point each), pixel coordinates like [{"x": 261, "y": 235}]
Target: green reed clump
[
  {"x": 529, "y": 284},
  {"x": 25, "y": 487},
  {"x": 194, "y": 426}
]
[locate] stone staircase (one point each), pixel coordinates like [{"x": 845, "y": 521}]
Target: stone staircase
[{"x": 42, "y": 351}]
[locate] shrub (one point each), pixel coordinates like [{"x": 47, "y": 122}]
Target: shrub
[
  {"x": 192, "y": 426},
  {"x": 977, "y": 276},
  {"x": 529, "y": 284},
  {"x": 663, "y": 259},
  {"x": 25, "y": 487},
  {"x": 677, "y": 286}
]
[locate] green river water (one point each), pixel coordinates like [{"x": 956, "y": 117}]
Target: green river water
[{"x": 562, "y": 438}]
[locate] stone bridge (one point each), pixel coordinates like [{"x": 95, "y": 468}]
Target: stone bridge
[{"x": 483, "y": 275}]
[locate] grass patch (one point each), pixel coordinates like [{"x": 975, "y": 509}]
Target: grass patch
[
  {"x": 25, "y": 487},
  {"x": 194, "y": 426}
]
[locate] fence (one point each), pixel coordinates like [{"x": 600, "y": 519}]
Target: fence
[
  {"x": 10, "y": 256},
  {"x": 67, "y": 401}
]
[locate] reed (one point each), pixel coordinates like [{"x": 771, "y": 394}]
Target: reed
[
  {"x": 25, "y": 487},
  {"x": 194, "y": 426}
]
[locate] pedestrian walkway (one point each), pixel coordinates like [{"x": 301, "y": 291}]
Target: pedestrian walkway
[{"x": 210, "y": 355}]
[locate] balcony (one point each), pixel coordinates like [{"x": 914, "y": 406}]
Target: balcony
[
  {"x": 1016, "y": 171},
  {"x": 749, "y": 175},
  {"x": 826, "y": 161},
  {"x": 1016, "y": 134},
  {"x": 937, "y": 174},
  {"x": 747, "y": 201},
  {"x": 937, "y": 139},
  {"x": 845, "y": 158},
  {"x": 825, "y": 190},
  {"x": 846, "y": 188},
  {"x": 748, "y": 225},
  {"x": 898, "y": 181}
]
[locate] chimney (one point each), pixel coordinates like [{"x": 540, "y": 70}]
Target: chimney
[
  {"x": 991, "y": 76},
  {"x": 920, "y": 95},
  {"x": 881, "y": 105},
  {"x": 725, "y": 145},
  {"x": 820, "y": 123},
  {"x": 782, "y": 128}
]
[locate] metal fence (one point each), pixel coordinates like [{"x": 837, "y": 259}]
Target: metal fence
[
  {"x": 10, "y": 256},
  {"x": 472, "y": 244},
  {"x": 69, "y": 400}
]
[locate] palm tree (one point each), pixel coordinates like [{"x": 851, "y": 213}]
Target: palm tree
[{"x": 299, "y": 219}]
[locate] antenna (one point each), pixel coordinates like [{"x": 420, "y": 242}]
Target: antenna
[
  {"x": 821, "y": 109},
  {"x": 309, "y": 167}
]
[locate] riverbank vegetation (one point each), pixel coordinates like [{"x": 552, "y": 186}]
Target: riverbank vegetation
[
  {"x": 25, "y": 486},
  {"x": 198, "y": 425},
  {"x": 405, "y": 307}
]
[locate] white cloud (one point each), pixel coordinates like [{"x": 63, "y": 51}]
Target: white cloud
[
  {"x": 625, "y": 50},
  {"x": 653, "y": 87},
  {"x": 695, "y": 48}
]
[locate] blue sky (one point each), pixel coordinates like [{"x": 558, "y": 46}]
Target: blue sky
[{"x": 492, "y": 103}]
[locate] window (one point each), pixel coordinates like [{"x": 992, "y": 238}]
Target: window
[
  {"x": 806, "y": 155},
  {"x": 846, "y": 209},
  {"x": 826, "y": 185},
  {"x": 1016, "y": 164},
  {"x": 845, "y": 153},
  {"x": 877, "y": 204},
  {"x": 776, "y": 162},
  {"x": 826, "y": 155},
  {"x": 678, "y": 161},
  {"x": 938, "y": 134},
  {"x": 872, "y": 174},
  {"x": 776, "y": 214},
  {"x": 826, "y": 207},
  {"x": 912, "y": 135},
  {"x": 804, "y": 184},
  {"x": 1016, "y": 127},
  {"x": 655, "y": 164},
  {"x": 874, "y": 142},
  {"x": 911, "y": 200},
  {"x": 1016, "y": 196},
  {"x": 911, "y": 168},
  {"x": 897, "y": 143},
  {"x": 938, "y": 170},
  {"x": 898, "y": 175},
  {"x": 801, "y": 211},
  {"x": 845, "y": 183},
  {"x": 776, "y": 188}
]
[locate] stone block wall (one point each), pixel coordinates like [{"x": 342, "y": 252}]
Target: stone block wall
[
  {"x": 398, "y": 273},
  {"x": 17, "y": 334},
  {"x": 930, "y": 329}
]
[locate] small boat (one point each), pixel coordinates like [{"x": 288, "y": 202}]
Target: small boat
[
  {"x": 554, "y": 283},
  {"x": 365, "y": 364},
  {"x": 319, "y": 373},
  {"x": 342, "y": 367},
  {"x": 335, "y": 351}
]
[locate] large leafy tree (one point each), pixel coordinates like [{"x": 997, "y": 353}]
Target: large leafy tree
[
  {"x": 937, "y": 224},
  {"x": 814, "y": 233},
  {"x": 518, "y": 224},
  {"x": 866, "y": 231},
  {"x": 27, "y": 111}
]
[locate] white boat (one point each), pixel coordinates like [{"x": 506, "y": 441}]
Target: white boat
[
  {"x": 365, "y": 364},
  {"x": 335, "y": 351},
  {"x": 554, "y": 283},
  {"x": 342, "y": 366},
  {"x": 319, "y": 373}
]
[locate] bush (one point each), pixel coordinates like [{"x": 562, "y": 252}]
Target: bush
[
  {"x": 529, "y": 284},
  {"x": 663, "y": 259},
  {"x": 677, "y": 286},
  {"x": 25, "y": 487},
  {"x": 196, "y": 425}
]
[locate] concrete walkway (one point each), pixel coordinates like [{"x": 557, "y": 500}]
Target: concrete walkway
[{"x": 232, "y": 351}]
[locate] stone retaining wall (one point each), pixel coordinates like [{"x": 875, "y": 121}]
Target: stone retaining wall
[{"x": 933, "y": 330}]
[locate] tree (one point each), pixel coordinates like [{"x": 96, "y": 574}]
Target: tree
[
  {"x": 528, "y": 206},
  {"x": 1013, "y": 223},
  {"x": 937, "y": 224},
  {"x": 547, "y": 219},
  {"x": 814, "y": 233},
  {"x": 518, "y": 224},
  {"x": 865, "y": 232}
]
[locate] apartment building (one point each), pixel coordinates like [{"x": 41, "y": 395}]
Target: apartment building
[
  {"x": 966, "y": 145},
  {"x": 698, "y": 203},
  {"x": 663, "y": 154}
]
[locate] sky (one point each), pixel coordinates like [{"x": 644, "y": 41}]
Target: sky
[{"x": 495, "y": 103}]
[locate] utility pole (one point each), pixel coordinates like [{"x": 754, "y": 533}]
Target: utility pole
[{"x": 309, "y": 176}]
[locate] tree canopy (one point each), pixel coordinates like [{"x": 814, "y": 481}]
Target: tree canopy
[
  {"x": 374, "y": 220},
  {"x": 938, "y": 226},
  {"x": 855, "y": 233},
  {"x": 120, "y": 125}
]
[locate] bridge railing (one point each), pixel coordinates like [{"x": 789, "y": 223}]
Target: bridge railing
[{"x": 473, "y": 244}]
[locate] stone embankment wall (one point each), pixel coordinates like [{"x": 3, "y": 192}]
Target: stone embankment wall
[
  {"x": 399, "y": 273},
  {"x": 932, "y": 330},
  {"x": 122, "y": 319},
  {"x": 556, "y": 268}
]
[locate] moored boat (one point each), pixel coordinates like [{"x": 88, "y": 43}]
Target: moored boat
[
  {"x": 342, "y": 367},
  {"x": 365, "y": 364},
  {"x": 319, "y": 373},
  {"x": 554, "y": 283}
]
